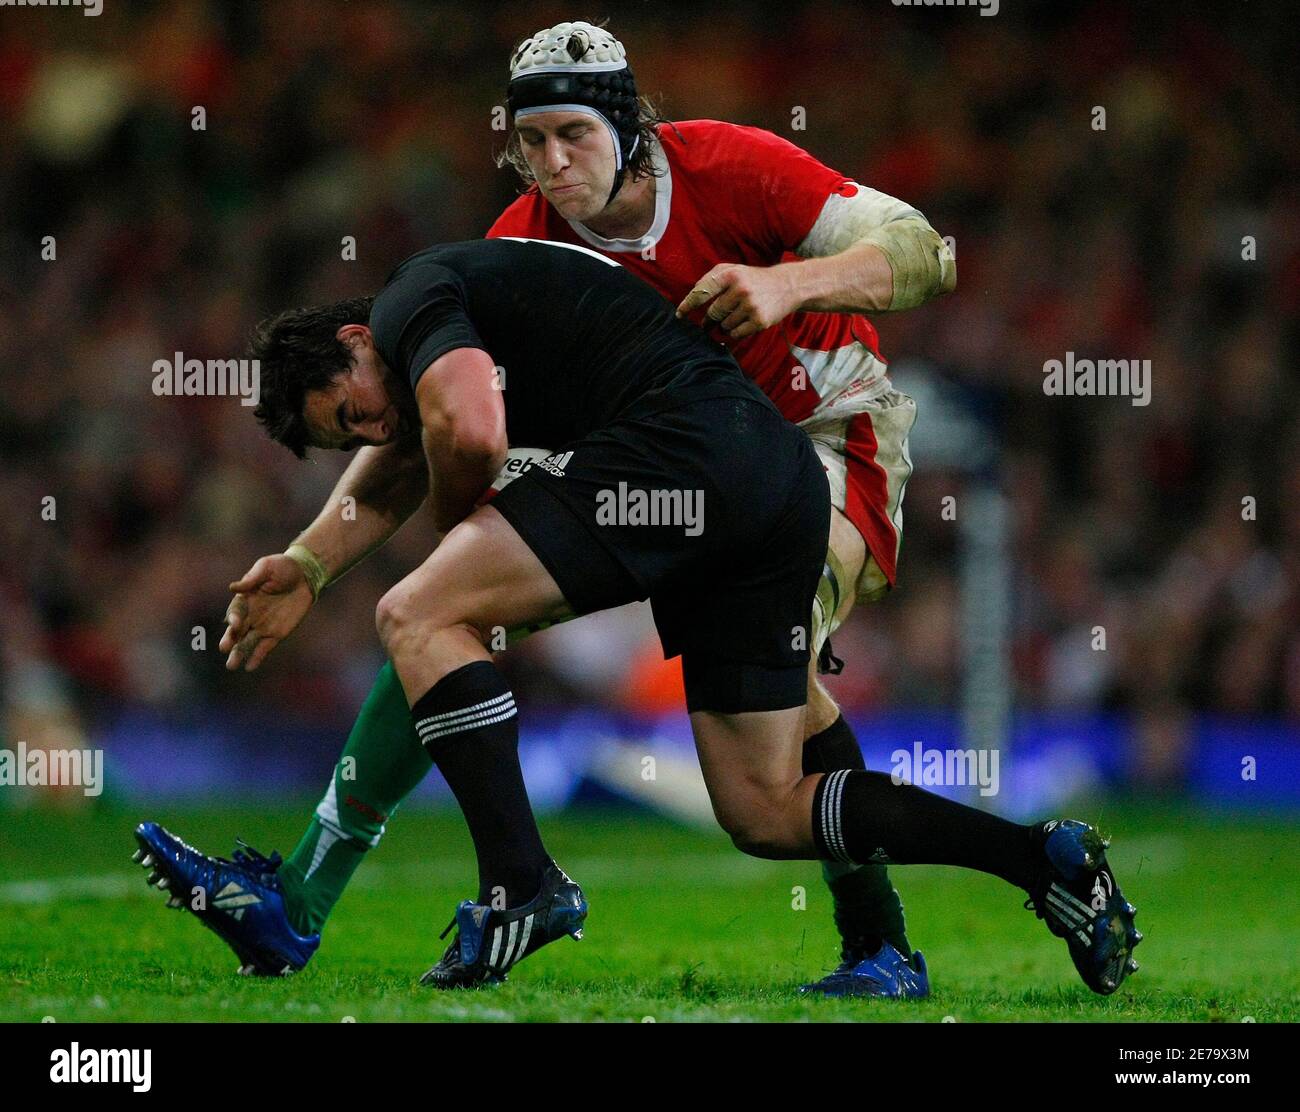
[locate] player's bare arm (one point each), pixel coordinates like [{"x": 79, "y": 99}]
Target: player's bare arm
[
  {"x": 866, "y": 253},
  {"x": 873, "y": 226},
  {"x": 386, "y": 484},
  {"x": 464, "y": 431},
  {"x": 360, "y": 407}
]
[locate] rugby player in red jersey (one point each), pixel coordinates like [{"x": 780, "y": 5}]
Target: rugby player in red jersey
[
  {"x": 780, "y": 256},
  {"x": 714, "y": 216}
]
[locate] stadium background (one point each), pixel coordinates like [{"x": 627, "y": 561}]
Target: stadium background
[{"x": 375, "y": 121}]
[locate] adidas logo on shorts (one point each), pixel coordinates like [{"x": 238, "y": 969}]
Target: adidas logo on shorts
[{"x": 555, "y": 463}]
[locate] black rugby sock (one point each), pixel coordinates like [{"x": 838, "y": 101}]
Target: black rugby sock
[
  {"x": 834, "y": 748},
  {"x": 863, "y": 816},
  {"x": 468, "y": 724}
]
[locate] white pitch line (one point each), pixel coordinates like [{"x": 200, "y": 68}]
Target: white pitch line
[
  {"x": 106, "y": 886},
  {"x": 720, "y": 870},
  {"x": 691, "y": 870}
]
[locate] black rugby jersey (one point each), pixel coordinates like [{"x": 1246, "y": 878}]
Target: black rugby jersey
[{"x": 579, "y": 339}]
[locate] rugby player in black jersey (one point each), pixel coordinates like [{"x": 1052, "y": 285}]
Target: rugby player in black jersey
[{"x": 475, "y": 346}]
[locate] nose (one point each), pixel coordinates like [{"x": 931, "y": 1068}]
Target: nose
[
  {"x": 557, "y": 156},
  {"x": 376, "y": 430}
]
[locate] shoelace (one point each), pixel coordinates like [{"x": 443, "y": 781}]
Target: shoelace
[
  {"x": 1040, "y": 912},
  {"x": 249, "y": 860}
]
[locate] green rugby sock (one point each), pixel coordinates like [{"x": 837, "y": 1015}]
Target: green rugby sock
[
  {"x": 867, "y": 908},
  {"x": 381, "y": 765}
]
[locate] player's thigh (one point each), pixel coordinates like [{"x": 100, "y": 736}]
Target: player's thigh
[
  {"x": 846, "y": 557},
  {"x": 753, "y": 768},
  {"x": 482, "y": 575},
  {"x": 822, "y": 708}
]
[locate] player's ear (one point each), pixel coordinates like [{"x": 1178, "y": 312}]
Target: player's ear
[{"x": 357, "y": 337}]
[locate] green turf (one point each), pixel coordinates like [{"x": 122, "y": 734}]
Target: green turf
[{"x": 682, "y": 927}]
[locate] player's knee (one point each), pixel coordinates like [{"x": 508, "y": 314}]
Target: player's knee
[
  {"x": 761, "y": 832},
  {"x": 405, "y": 625},
  {"x": 397, "y": 619},
  {"x": 388, "y": 615}
]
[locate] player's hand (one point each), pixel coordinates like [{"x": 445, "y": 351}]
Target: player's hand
[
  {"x": 269, "y": 602},
  {"x": 743, "y": 300}
]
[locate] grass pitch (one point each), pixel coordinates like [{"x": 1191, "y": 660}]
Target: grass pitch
[{"x": 682, "y": 927}]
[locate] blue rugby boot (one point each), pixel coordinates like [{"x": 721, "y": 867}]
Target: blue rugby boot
[
  {"x": 242, "y": 902},
  {"x": 1079, "y": 899},
  {"x": 488, "y": 942},
  {"x": 886, "y": 973}
]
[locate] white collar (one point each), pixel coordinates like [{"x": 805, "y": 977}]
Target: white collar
[{"x": 663, "y": 209}]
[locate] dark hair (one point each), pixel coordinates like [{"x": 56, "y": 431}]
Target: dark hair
[{"x": 299, "y": 350}]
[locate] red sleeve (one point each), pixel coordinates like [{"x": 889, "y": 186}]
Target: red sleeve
[{"x": 777, "y": 188}]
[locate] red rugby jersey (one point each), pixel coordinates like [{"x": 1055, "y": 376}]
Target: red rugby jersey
[{"x": 740, "y": 195}]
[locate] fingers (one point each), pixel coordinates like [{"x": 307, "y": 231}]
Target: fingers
[
  {"x": 725, "y": 305},
  {"x": 237, "y": 655},
  {"x": 249, "y": 651},
  {"x": 731, "y": 306},
  {"x": 263, "y": 647},
  {"x": 747, "y": 328},
  {"x": 744, "y": 320},
  {"x": 236, "y": 622},
  {"x": 237, "y": 609},
  {"x": 734, "y": 319},
  {"x": 258, "y": 574},
  {"x": 705, "y": 290}
]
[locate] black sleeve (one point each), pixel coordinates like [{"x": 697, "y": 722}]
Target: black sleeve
[{"x": 419, "y": 316}]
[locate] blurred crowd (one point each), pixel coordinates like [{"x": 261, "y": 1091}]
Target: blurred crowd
[{"x": 1173, "y": 234}]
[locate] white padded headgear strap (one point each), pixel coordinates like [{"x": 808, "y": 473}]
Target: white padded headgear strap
[{"x": 586, "y": 110}]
